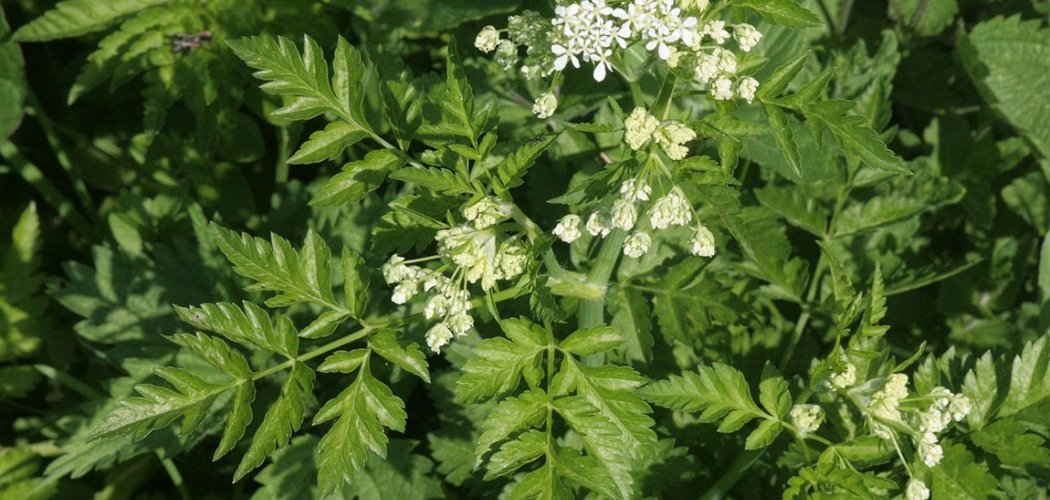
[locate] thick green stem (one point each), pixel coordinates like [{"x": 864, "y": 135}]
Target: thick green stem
[{"x": 592, "y": 311}]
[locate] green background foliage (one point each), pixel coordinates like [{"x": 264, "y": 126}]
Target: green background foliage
[{"x": 191, "y": 240}]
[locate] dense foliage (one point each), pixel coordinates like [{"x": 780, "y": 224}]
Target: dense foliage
[{"x": 527, "y": 249}]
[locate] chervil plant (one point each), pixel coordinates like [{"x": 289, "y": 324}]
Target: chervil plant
[{"x": 525, "y": 249}]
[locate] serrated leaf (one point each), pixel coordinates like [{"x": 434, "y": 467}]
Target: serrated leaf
[
  {"x": 437, "y": 180},
  {"x": 459, "y": 98},
  {"x": 360, "y": 412},
  {"x": 324, "y": 325},
  {"x": 357, "y": 179},
  {"x": 328, "y": 143},
  {"x": 71, "y": 18},
  {"x": 294, "y": 276},
  {"x": 343, "y": 361},
  {"x": 512, "y": 169},
  {"x": 717, "y": 391},
  {"x": 793, "y": 204},
  {"x": 763, "y": 435},
  {"x": 217, "y": 353},
  {"x": 1029, "y": 378},
  {"x": 633, "y": 318},
  {"x": 283, "y": 418},
  {"x": 512, "y": 455},
  {"x": 592, "y": 340},
  {"x": 957, "y": 476},
  {"x": 854, "y": 135},
  {"x": 356, "y": 280},
  {"x": 786, "y": 12},
  {"x": 781, "y": 77},
  {"x": 237, "y": 421},
  {"x": 250, "y": 325},
  {"x": 405, "y": 355},
  {"x": 498, "y": 364},
  {"x": 877, "y": 212},
  {"x": 784, "y": 137},
  {"x": 509, "y": 416}
]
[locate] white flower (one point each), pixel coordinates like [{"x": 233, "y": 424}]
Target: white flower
[
  {"x": 460, "y": 323},
  {"x": 544, "y": 106},
  {"x": 438, "y": 336},
  {"x": 722, "y": 89},
  {"x": 706, "y": 68},
  {"x": 672, "y": 137},
  {"x": 512, "y": 259},
  {"x": 487, "y": 212},
  {"x": 404, "y": 291},
  {"x": 747, "y": 88},
  {"x": 597, "y": 224},
  {"x": 726, "y": 60},
  {"x": 587, "y": 31},
  {"x": 507, "y": 54},
  {"x": 624, "y": 214},
  {"x": 843, "y": 379},
  {"x": 437, "y": 305},
  {"x": 636, "y": 244},
  {"x": 746, "y": 36},
  {"x": 568, "y": 228},
  {"x": 395, "y": 271},
  {"x": 487, "y": 39},
  {"x": 807, "y": 418},
  {"x": 717, "y": 31},
  {"x": 933, "y": 420},
  {"x": 639, "y": 127},
  {"x": 959, "y": 407},
  {"x": 671, "y": 210},
  {"x": 897, "y": 385},
  {"x": 917, "y": 490},
  {"x": 703, "y": 242},
  {"x": 635, "y": 191},
  {"x": 931, "y": 454}
]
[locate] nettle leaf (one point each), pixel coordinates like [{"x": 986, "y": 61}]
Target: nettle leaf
[
  {"x": 295, "y": 276},
  {"x": 498, "y": 364},
  {"x": 511, "y": 171},
  {"x": 406, "y": 355},
  {"x": 718, "y": 391},
  {"x": 358, "y": 178},
  {"x": 360, "y": 411},
  {"x": 250, "y": 325},
  {"x": 71, "y": 18},
  {"x": 283, "y": 418}
]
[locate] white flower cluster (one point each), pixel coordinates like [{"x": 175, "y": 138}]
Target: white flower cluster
[
  {"x": 807, "y": 418},
  {"x": 478, "y": 253},
  {"x": 924, "y": 425},
  {"x": 447, "y": 299},
  {"x": 591, "y": 31},
  {"x": 843, "y": 379},
  {"x": 916, "y": 490},
  {"x": 669, "y": 210},
  {"x": 640, "y": 127}
]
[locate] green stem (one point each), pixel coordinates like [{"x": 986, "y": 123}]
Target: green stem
[
  {"x": 592, "y": 311},
  {"x": 736, "y": 471}
]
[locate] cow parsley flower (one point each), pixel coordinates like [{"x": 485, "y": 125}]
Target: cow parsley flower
[
  {"x": 959, "y": 407},
  {"x": 671, "y": 210},
  {"x": 624, "y": 214},
  {"x": 917, "y": 490},
  {"x": 487, "y": 212},
  {"x": 807, "y": 418},
  {"x": 586, "y": 31},
  {"x": 637, "y": 244},
  {"x": 507, "y": 54},
  {"x": 746, "y": 36},
  {"x": 703, "y": 242},
  {"x": 722, "y": 89},
  {"x": 672, "y": 138},
  {"x": 438, "y": 336},
  {"x": 568, "y": 228},
  {"x": 598, "y": 224},
  {"x": 639, "y": 127},
  {"x": 931, "y": 453},
  {"x": 633, "y": 191},
  {"x": 717, "y": 31},
  {"x": 544, "y": 106},
  {"x": 747, "y": 88},
  {"x": 487, "y": 39},
  {"x": 843, "y": 379}
]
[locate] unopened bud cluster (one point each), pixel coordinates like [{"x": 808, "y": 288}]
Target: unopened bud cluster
[
  {"x": 596, "y": 32},
  {"x": 478, "y": 252},
  {"x": 672, "y": 209}
]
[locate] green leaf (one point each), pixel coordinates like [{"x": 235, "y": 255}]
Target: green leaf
[
  {"x": 784, "y": 137},
  {"x": 793, "y": 204},
  {"x": 718, "y": 391},
  {"x": 763, "y": 435},
  {"x": 303, "y": 276},
  {"x": 498, "y": 364},
  {"x": 324, "y": 325},
  {"x": 778, "y": 81},
  {"x": 1044, "y": 285},
  {"x": 356, "y": 281},
  {"x": 284, "y": 417},
  {"x": 437, "y": 180},
  {"x": 876, "y": 212},
  {"x": 360, "y": 412},
  {"x": 957, "y": 476},
  {"x": 511, "y": 415},
  {"x": 511, "y": 171},
  {"x": 592, "y": 340},
  {"x": 216, "y": 353},
  {"x": 249, "y": 326},
  {"x": 1029, "y": 378},
  {"x": 1009, "y": 61},
  {"x": 358, "y": 178},
  {"x": 1016, "y": 445},
  {"x": 401, "y": 98},
  {"x": 407, "y": 355},
  {"x": 343, "y": 361},
  {"x": 71, "y": 18},
  {"x": 459, "y": 98},
  {"x": 786, "y": 12},
  {"x": 632, "y": 318},
  {"x": 512, "y": 455},
  {"x": 854, "y": 135},
  {"x": 329, "y": 143},
  {"x": 12, "y": 82}
]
